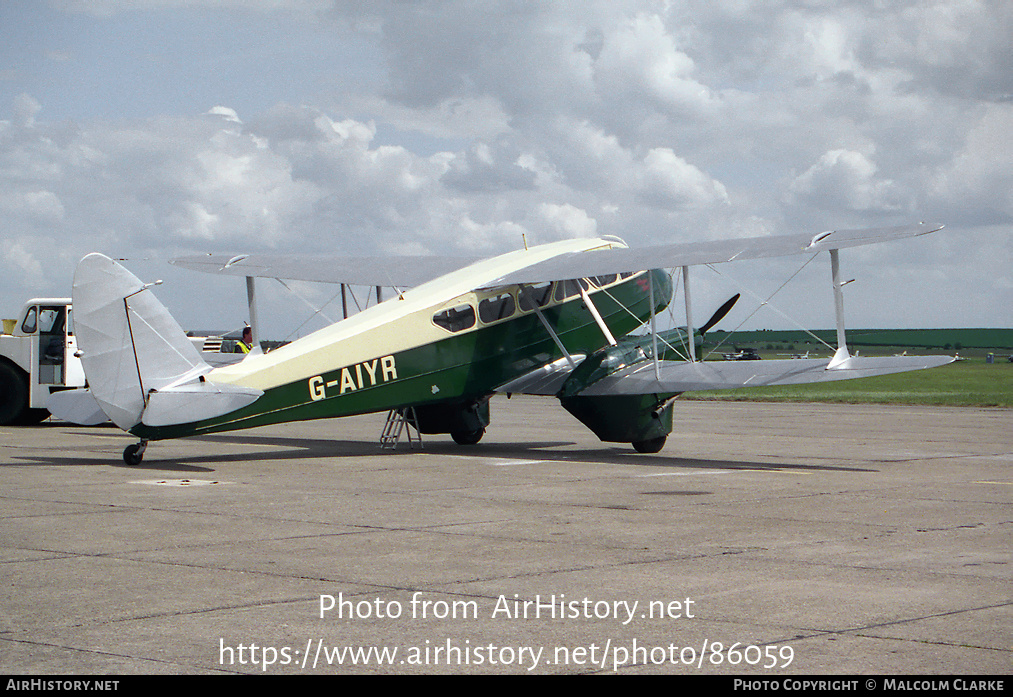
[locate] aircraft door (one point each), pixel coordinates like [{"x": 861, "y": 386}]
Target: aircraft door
[{"x": 73, "y": 369}]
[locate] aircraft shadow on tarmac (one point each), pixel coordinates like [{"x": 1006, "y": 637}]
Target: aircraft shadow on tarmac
[{"x": 295, "y": 448}]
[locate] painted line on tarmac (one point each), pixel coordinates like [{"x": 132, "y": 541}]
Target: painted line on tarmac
[
  {"x": 683, "y": 474},
  {"x": 499, "y": 461}
]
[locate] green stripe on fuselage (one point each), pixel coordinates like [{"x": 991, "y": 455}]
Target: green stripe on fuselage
[{"x": 466, "y": 365}]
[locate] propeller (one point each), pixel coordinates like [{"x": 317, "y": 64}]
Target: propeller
[{"x": 720, "y": 313}]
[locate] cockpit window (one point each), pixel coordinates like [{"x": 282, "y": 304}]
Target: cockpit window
[
  {"x": 496, "y": 308},
  {"x": 456, "y": 319},
  {"x": 31, "y": 321}
]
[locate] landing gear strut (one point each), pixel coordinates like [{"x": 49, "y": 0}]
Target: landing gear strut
[{"x": 133, "y": 454}]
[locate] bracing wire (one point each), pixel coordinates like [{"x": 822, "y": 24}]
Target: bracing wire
[{"x": 766, "y": 302}]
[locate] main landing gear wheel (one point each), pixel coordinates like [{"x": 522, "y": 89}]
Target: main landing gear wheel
[
  {"x": 651, "y": 445},
  {"x": 133, "y": 454},
  {"x": 467, "y": 437}
]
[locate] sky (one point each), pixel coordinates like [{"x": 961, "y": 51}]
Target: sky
[{"x": 150, "y": 129}]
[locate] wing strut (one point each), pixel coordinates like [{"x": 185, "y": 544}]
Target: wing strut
[
  {"x": 251, "y": 300},
  {"x": 654, "y": 327},
  {"x": 597, "y": 315},
  {"x": 555, "y": 337},
  {"x": 842, "y": 344},
  {"x": 690, "y": 339}
]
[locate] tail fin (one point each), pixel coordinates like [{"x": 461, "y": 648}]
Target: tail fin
[{"x": 132, "y": 350}]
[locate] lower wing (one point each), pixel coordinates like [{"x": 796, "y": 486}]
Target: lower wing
[{"x": 672, "y": 376}]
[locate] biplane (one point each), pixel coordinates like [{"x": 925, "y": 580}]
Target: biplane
[{"x": 551, "y": 320}]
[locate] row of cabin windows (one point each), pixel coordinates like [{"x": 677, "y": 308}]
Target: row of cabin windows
[{"x": 502, "y": 306}]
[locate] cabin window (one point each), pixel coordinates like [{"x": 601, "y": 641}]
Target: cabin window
[
  {"x": 602, "y": 281},
  {"x": 567, "y": 289},
  {"x": 456, "y": 319},
  {"x": 537, "y": 295},
  {"x": 496, "y": 308}
]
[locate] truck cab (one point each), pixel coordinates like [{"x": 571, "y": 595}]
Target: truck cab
[{"x": 37, "y": 358}]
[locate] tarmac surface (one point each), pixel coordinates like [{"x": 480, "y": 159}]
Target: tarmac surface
[{"x": 765, "y": 540}]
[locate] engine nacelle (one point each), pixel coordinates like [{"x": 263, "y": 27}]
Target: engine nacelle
[{"x": 644, "y": 420}]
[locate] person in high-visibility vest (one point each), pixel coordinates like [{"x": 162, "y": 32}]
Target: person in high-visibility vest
[{"x": 247, "y": 343}]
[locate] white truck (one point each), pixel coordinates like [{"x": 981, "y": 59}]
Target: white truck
[{"x": 36, "y": 359}]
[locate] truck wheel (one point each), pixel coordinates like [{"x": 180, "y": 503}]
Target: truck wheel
[
  {"x": 31, "y": 417},
  {"x": 13, "y": 394}
]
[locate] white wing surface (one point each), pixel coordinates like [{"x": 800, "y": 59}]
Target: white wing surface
[
  {"x": 406, "y": 272},
  {"x": 391, "y": 271},
  {"x": 723, "y": 375},
  {"x": 618, "y": 260}
]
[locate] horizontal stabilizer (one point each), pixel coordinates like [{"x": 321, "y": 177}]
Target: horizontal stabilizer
[
  {"x": 723, "y": 375},
  {"x": 77, "y": 407},
  {"x": 195, "y": 401}
]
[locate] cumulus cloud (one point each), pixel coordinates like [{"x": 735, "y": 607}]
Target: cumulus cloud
[
  {"x": 845, "y": 179},
  {"x": 22, "y": 265},
  {"x": 484, "y": 167},
  {"x": 482, "y": 122},
  {"x": 667, "y": 179},
  {"x": 44, "y": 206},
  {"x": 25, "y": 109},
  {"x": 639, "y": 60},
  {"x": 566, "y": 221},
  {"x": 978, "y": 180}
]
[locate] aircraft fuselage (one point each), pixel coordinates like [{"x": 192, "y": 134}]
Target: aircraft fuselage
[{"x": 405, "y": 352}]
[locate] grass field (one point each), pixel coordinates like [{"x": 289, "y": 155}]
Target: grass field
[
  {"x": 971, "y": 383},
  {"x": 1000, "y": 340}
]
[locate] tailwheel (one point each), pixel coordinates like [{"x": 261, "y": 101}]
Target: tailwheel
[
  {"x": 467, "y": 437},
  {"x": 651, "y": 445},
  {"x": 133, "y": 454}
]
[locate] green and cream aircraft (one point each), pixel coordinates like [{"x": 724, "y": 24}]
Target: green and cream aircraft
[{"x": 549, "y": 320}]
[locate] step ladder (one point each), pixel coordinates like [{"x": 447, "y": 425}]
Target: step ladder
[{"x": 400, "y": 421}]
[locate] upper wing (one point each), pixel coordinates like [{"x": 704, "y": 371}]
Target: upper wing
[
  {"x": 606, "y": 258},
  {"x": 393, "y": 271},
  {"x": 618, "y": 260}
]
